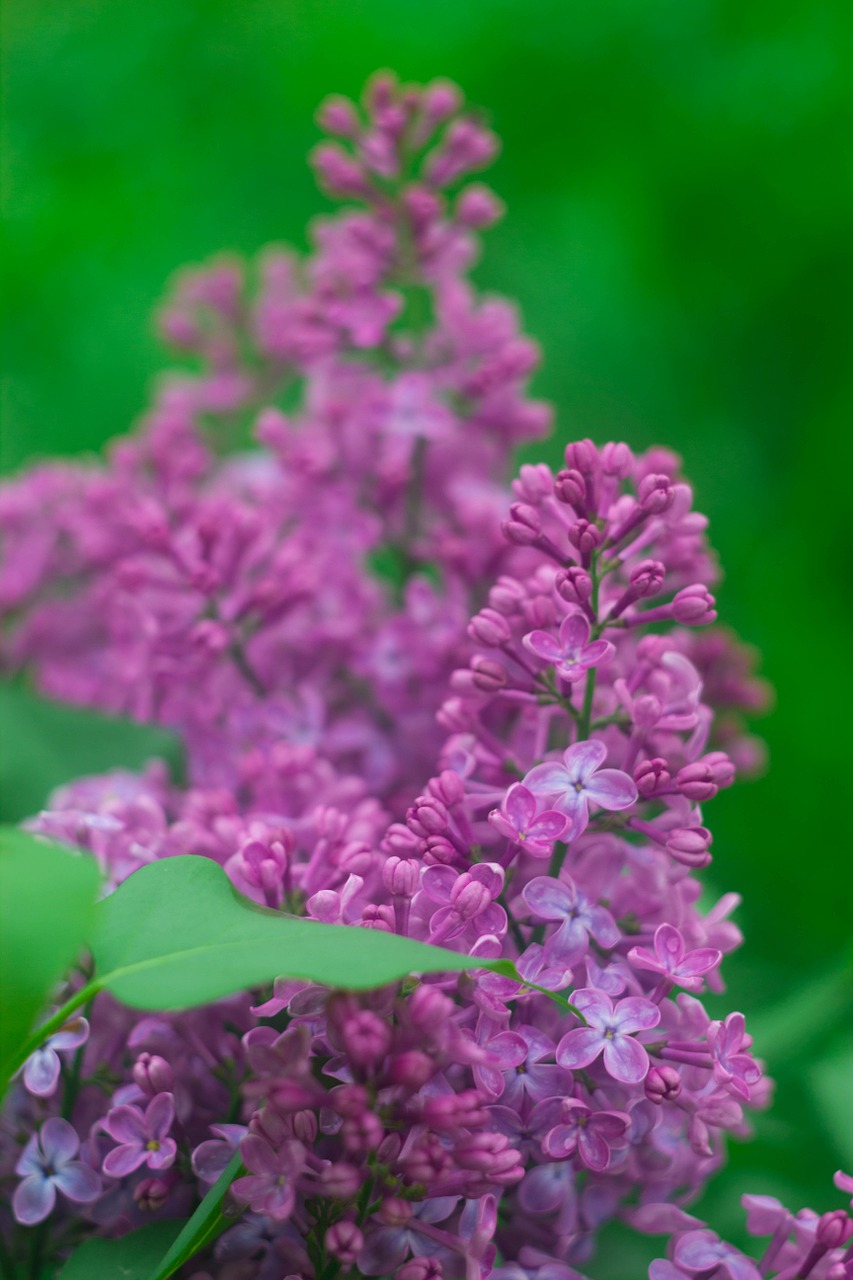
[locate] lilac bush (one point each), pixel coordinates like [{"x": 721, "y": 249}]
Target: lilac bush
[{"x": 414, "y": 700}]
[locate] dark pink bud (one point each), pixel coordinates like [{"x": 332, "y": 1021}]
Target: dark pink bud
[
  {"x": 438, "y": 851},
  {"x": 662, "y": 1084},
  {"x": 400, "y": 876},
  {"x": 378, "y": 916},
  {"x": 270, "y": 1125},
  {"x": 585, "y": 536},
  {"x": 152, "y": 1074},
  {"x": 478, "y": 207},
  {"x": 151, "y": 1194},
  {"x": 341, "y": 1180},
  {"x": 582, "y": 456},
  {"x": 338, "y": 172},
  {"x": 448, "y": 787},
  {"x": 539, "y": 612},
  {"x": 428, "y": 1008},
  {"x": 647, "y": 578},
  {"x": 388, "y": 1151},
  {"x": 489, "y": 1154},
  {"x": 616, "y": 460},
  {"x": 363, "y": 1133},
  {"x": 349, "y": 1099},
  {"x": 427, "y": 816},
  {"x": 834, "y": 1229},
  {"x": 570, "y": 487},
  {"x": 488, "y": 677},
  {"x": 722, "y": 768},
  {"x": 689, "y": 845},
  {"x": 423, "y": 206},
  {"x": 367, "y": 1040},
  {"x": 574, "y": 585},
  {"x": 524, "y": 526},
  {"x": 469, "y": 897},
  {"x": 655, "y": 493},
  {"x": 426, "y": 1160},
  {"x": 395, "y": 1212},
  {"x": 651, "y": 776},
  {"x": 289, "y": 1095},
  {"x": 694, "y": 606},
  {"x": 338, "y": 115},
  {"x": 489, "y": 628},
  {"x": 420, "y": 1269},
  {"x": 305, "y": 1127},
  {"x": 506, "y": 596},
  {"x": 455, "y": 1111},
  {"x": 399, "y": 840},
  {"x": 411, "y": 1069},
  {"x": 441, "y": 100},
  {"x": 345, "y": 1242},
  {"x": 696, "y": 781}
]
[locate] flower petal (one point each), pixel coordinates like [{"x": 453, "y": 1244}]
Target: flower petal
[
  {"x": 123, "y": 1160},
  {"x": 582, "y": 759},
  {"x": 59, "y": 1141},
  {"x": 33, "y": 1200},
  {"x": 574, "y": 632},
  {"x": 580, "y": 1047},
  {"x": 543, "y": 645},
  {"x": 519, "y": 806},
  {"x": 78, "y": 1182},
  {"x": 548, "y": 779},
  {"x": 593, "y": 1150},
  {"x": 625, "y": 1059},
  {"x": 42, "y": 1072},
  {"x": 160, "y": 1115},
  {"x": 612, "y": 789},
  {"x": 126, "y": 1124},
  {"x": 548, "y": 898},
  {"x": 636, "y": 1014}
]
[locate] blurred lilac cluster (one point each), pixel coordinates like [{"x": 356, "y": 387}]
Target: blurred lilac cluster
[{"x": 412, "y": 701}]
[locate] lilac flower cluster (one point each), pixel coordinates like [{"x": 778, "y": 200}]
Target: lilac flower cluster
[{"x": 580, "y": 719}]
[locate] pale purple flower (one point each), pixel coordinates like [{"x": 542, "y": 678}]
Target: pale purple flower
[
  {"x": 387, "y": 1247},
  {"x": 534, "y": 1078},
  {"x": 700, "y": 1253},
  {"x": 580, "y": 781},
  {"x": 504, "y": 1050},
  {"x": 572, "y": 654},
  {"x": 46, "y": 1165},
  {"x": 609, "y": 1030},
  {"x": 42, "y": 1068},
  {"x": 551, "y": 899},
  {"x": 212, "y": 1156},
  {"x": 671, "y": 961},
  {"x": 144, "y": 1137},
  {"x": 518, "y": 820},
  {"x": 592, "y": 1134},
  {"x": 270, "y": 1186}
]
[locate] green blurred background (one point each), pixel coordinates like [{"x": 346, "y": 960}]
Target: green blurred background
[{"x": 680, "y": 191}]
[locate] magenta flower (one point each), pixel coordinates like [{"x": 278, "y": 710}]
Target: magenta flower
[
  {"x": 469, "y": 899},
  {"x": 144, "y": 1138},
  {"x": 518, "y": 821},
  {"x": 551, "y": 899},
  {"x": 579, "y": 781},
  {"x": 609, "y": 1031},
  {"x": 46, "y": 1165},
  {"x": 590, "y": 1133},
  {"x": 732, "y": 1066},
  {"x": 270, "y": 1186},
  {"x": 671, "y": 961},
  {"x": 572, "y": 654},
  {"x": 41, "y": 1071}
]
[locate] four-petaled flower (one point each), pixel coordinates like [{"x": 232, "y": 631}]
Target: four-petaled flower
[
  {"x": 572, "y": 654},
  {"x": 671, "y": 961},
  {"x": 590, "y": 1133},
  {"x": 732, "y": 1067},
  {"x": 518, "y": 820},
  {"x": 46, "y": 1165},
  {"x": 609, "y": 1030},
  {"x": 41, "y": 1071},
  {"x": 701, "y": 1253},
  {"x": 551, "y": 899},
  {"x": 579, "y": 780},
  {"x": 144, "y": 1138},
  {"x": 270, "y": 1186}
]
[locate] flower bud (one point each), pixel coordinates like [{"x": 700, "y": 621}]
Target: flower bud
[
  {"x": 585, "y": 536},
  {"x": 489, "y": 628},
  {"x": 506, "y": 596},
  {"x": 411, "y": 1069},
  {"x": 616, "y": 460},
  {"x": 478, "y": 207},
  {"x": 395, "y": 1212},
  {"x": 833, "y": 1229},
  {"x": 151, "y": 1194},
  {"x": 647, "y": 578},
  {"x": 427, "y": 817},
  {"x": 524, "y": 526},
  {"x": 689, "y": 846},
  {"x": 447, "y": 788},
  {"x": 438, "y": 851},
  {"x": 455, "y": 1111},
  {"x": 152, "y": 1074},
  {"x": 574, "y": 585},
  {"x": 305, "y": 1127},
  {"x": 367, "y": 1040},
  {"x": 361, "y": 1134},
  {"x": 488, "y": 677},
  {"x": 420, "y": 1269},
  {"x": 570, "y": 487},
  {"x": 340, "y": 1180},
  {"x": 655, "y": 493},
  {"x": 338, "y": 115},
  {"x": 694, "y": 606},
  {"x": 696, "y": 781},
  {"x": 345, "y": 1242},
  {"x": 400, "y": 876},
  {"x": 581, "y": 455},
  {"x": 662, "y": 1084},
  {"x": 651, "y": 776}
]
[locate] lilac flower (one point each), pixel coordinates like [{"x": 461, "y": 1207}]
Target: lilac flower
[
  {"x": 387, "y": 1246},
  {"x": 270, "y": 1186},
  {"x": 518, "y": 820},
  {"x": 534, "y": 1078},
  {"x": 144, "y": 1137},
  {"x": 551, "y": 899},
  {"x": 610, "y": 1030},
  {"x": 42, "y": 1068},
  {"x": 572, "y": 654},
  {"x": 669, "y": 958},
  {"x": 733, "y": 1067},
  {"x": 211, "y": 1157},
  {"x": 592, "y": 1134},
  {"x": 700, "y": 1253},
  {"x": 46, "y": 1165},
  {"x": 579, "y": 781}
]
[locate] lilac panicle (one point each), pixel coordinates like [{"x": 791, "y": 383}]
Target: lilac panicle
[{"x": 528, "y": 782}]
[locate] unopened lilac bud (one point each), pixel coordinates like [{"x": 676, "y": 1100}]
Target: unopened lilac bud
[
  {"x": 426, "y": 1160},
  {"x": 646, "y": 711},
  {"x": 151, "y": 1194},
  {"x": 349, "y": 1099},
  {"x": 478, "y": 207},
  {"x": 339, "y": 116},
  {"x": 651, "y": 776},
  {"x": 647, "y": 578},
  {"x": 489, "y": 628},
  {"x": 616, "y": 460},
  {"x": 570, "y": 487},
  {"x": 305, "y": 1127},
  {"x": 655, "y": 493},
  {"x": 340, "y": 1180},
  {"x": 489, "y": 677},
  {"x": 506, "y": 596},
  {"x": 288, "y": 1095},
  {"x": 388, "y": 1151},
  {"x": 400, "y": 876},
  {"x": 489, "y": 1154},
  {"x": 420, "y": 1269},
  {"x": 662, "y": 1084},
  {"x": 438, "y": 851},
  {"x": 360, "y": 1134},
  {"x": 423, "y": 206},
  {"x": 694, "y": 606},
  {"x": 411, "y": 1069},
  {"x": 441, "y": 99},
  {"x": 539, "y": 612},
  {"x": 428, "y": 1008},
  {"x": 152, "y": 1074},
  {"x": 524, "y": 526},
  {"x": 427, "y": 816},
  {"x": 696, "y": 781},
  {"x": 469, "y": 897},
  {"x": 534, "y": 483},
  {"x": 394, "y": 1211},
  {"x": 581, "y": 455},
  {"x": 721, "y": 766},
  {"x": 345, "y": 1242},
  {"x": 367, "y": 1040},
  {"x": 689, "y": 846},
  {"x": 834, "y": 1229},
  {"x": 585, "y": 536},
  {"x": 574, "y": 585},
  {"x": 449, "y": 1111},
  {"x": 338, "y": 172},
  {"x": 378, "y": 915}
]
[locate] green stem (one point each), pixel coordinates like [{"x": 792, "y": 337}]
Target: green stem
[
  {"x": 586, "y": 710},
  {"x": 7, "y": 1266}
]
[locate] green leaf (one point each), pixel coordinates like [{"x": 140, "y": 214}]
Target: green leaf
[
  {"x": 204, "y": 1226},
  {"x": 47, "y": 912},
  {"x": 177, "y": 934},
  {"x": 132, "y": 1257},
  {"x": 45, "y": 744}
]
